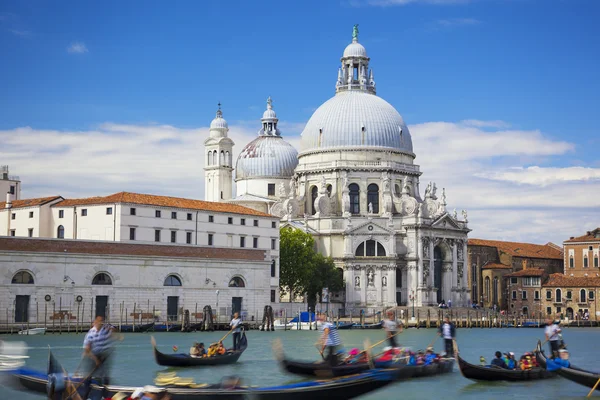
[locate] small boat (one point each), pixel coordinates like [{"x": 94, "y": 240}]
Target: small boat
[
  {"x": 33, "y": 331},
  {"x": 577, "y": 375},
  {"x": 138, "y": 328},
  {"x": 346, "y": 387},
  {"x": 185, "y": 360},
  {"x": 344, "y": 325},
  {"x": 491, "y": 373},
  {"x": 166, "y": 328}
]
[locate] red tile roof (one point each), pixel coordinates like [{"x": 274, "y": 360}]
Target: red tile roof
[
  {"x": 590, "y": 236},
  {"x": 30, "y": 202},
  {"x": 517, "y": 249},
  {"x": 529, "y": 272},
  {"x": 163, "y": 201},
  {"x": 496, "y": 266},
  {"x": 560, "y": 280},
  {"x": 126, "y": 249}
]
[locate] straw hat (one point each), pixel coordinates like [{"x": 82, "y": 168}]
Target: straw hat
[
  {"x": 152, "y": 389},
  {"x": 120, "y": 396}
]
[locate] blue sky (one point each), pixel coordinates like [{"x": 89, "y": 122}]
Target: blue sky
[{"x": 499, "y": 69}]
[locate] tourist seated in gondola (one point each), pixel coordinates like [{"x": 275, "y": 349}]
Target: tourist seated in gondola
[
  {"x": 194, "y": 352},
  {"x": 221, "y": 349},
  {"x": 410, "y": 358},
  {"x": 420, "y": 359},
  {"x": 525, "y": 363},
  {"x": 353, "y": 356},
  {"x": 389, "y": 353},
  {"x": 509, "y": 360},
  {"x": 212, "y": 350},
  {"x": 201, "y": 350},
  {"x": 498, "y": 361},
  {"x": 430, "y": 356},
  {"x": 559, "y": 362}
]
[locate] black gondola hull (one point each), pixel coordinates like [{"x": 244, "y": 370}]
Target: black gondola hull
[
  {"x": 347, "y": 387},
  {"x": 483, "y": 373},
  {"x": 324, "y": 370},
  {"x": 138, "y": 328},
  {"x": 577, "y": 375}
]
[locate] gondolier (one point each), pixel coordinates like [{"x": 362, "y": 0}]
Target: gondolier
[
  {"x": 552, "y": 332},
  {"x": 235, "y": 325},
  {"x": 97, "y": 346},
  {"x": 392, "y": 327},
  {"x": 330, "y": 340},
  {"x": 448, "y": 333}
]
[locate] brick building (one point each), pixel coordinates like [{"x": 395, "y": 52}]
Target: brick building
[
  {"x": 491, "y": 260},
  {"x": 582, "y": 255},
  {"x": 524, "y": 292},
  {"x": 572, "y": 296}
]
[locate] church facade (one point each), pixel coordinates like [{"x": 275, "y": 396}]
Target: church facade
[{"x": 355, "y": 187}]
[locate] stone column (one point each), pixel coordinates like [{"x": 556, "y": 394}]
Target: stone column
[
  {"x": 349, "y": 279},
  {"x": 377, "y": 282},
  {"x": 391, "y": 282},
  {"x": 454, "y": 274},
  {"x": 419, "y": 255},
  {"x": 467, "y": 295},
  {"x": 363, "y": 285}
]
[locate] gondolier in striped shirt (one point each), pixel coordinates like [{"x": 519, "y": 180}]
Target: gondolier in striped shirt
[
  {"x": 330, "y": 340},
  {"x": 97, "y": 347}
]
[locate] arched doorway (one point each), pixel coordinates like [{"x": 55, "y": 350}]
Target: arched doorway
[
  {"x": 437, "y": 272},
  {"x": 569, "y": 313}
]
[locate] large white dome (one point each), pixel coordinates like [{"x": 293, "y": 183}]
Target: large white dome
[
  {"x": 356, "y": 119},
  {"x": 266, "y": 157}
]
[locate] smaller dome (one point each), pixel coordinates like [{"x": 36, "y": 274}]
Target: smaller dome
[
  {"x": 269, "y": 114},
  {"x": 355, "y": 49},
  {"x": 266, "y": 157},
  {"x": 219, "y": 122}
]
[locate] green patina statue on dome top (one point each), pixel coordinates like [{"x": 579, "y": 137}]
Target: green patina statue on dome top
[{"x": 355, "y": 32}]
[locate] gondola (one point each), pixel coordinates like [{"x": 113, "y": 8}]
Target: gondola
[
  {"x": 577, "y": 375},
  {"x": 185, "y": 360},
  {"x": 367, "y": 326},
  {"x": 344, "y": 325},
  {"x": 491, "y": 373},
  {"x": 346, "y": 387},
  {"x": 138, "y": 328}
]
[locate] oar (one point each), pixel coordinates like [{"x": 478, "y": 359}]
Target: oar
[
  {"x": 319, "y": 346},
  {"x": 278, "y": 350},
  {"x": 381, "y": 341},
  {"x": 433, "y": 341},
  {"x": 367, "y": 352},
  {"x": 223, "y": 338},
  {"x": 594, "y": 388}
]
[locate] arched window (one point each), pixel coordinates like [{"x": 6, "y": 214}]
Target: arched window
[
  {"x": 354, "y": 198},
  {"x": 373, "y": 197},
  {"x": 486, "y": 287},
  {"x": 215, "y": 157},
  {"x": 172, "y": 280},
  {"x": 102, "y": 279},
  {"x": 227, "y": 158},
  {"x": 370, "y": 248},
  {"x": 398, "y": 191},
  {"x": 236, "y": 281},
  {"x": 329, "y": 189},
  {"x": 60, "y": 232},
  {"x": 314, "y": 193},
  {"x": 582, "y": 296},
  {"x": 22, "y": 277},
  {"x": 558, "y": 298},
  {"x": 495, "y": 290},
  {"x": 525, "y": 311},
  {"x": 208, "y": 158}
]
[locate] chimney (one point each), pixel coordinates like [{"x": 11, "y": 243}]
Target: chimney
[
  {"x": 8, "y": 200},
  {"x": 524, "y": 262}
]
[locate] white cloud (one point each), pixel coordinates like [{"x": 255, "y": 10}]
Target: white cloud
[
  {"x": 77, "y": 48},
  {"x": 474, "y": 161},
  {"x": 20, "y": 32},
  {"x": 543, "y": 176}
]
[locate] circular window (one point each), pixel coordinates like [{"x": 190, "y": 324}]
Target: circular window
[
  {"x": 79, "y": 299},
  {"x": 370, "y": 227},
  {"x": 47, "y": 297}
]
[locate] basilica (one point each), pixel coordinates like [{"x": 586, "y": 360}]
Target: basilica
[{"x": 354, "y": 186}]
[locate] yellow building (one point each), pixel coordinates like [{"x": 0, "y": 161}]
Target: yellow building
[
  {"x": 582, "y": 255},
  {"x": 572, "y": 297}
]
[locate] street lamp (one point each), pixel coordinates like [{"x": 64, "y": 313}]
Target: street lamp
[
  {"x": 412, "y": 298},
  {"x": 217, "y": 305}
]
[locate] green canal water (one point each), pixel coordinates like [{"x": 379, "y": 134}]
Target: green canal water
[{"x": 134, "y": 363}]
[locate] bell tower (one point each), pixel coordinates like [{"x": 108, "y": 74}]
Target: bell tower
[{"x": 218, "y": 163}]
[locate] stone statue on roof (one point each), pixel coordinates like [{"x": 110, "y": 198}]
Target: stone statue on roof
[{"x": 355, "y": 32}]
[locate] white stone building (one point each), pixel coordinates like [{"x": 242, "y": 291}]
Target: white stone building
[
  {"x": 11, "y": 185},
  {"x": 355, "y": 188},
  {"x": 205, "y": 246},
  {"x": 62, "y": 281}
]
